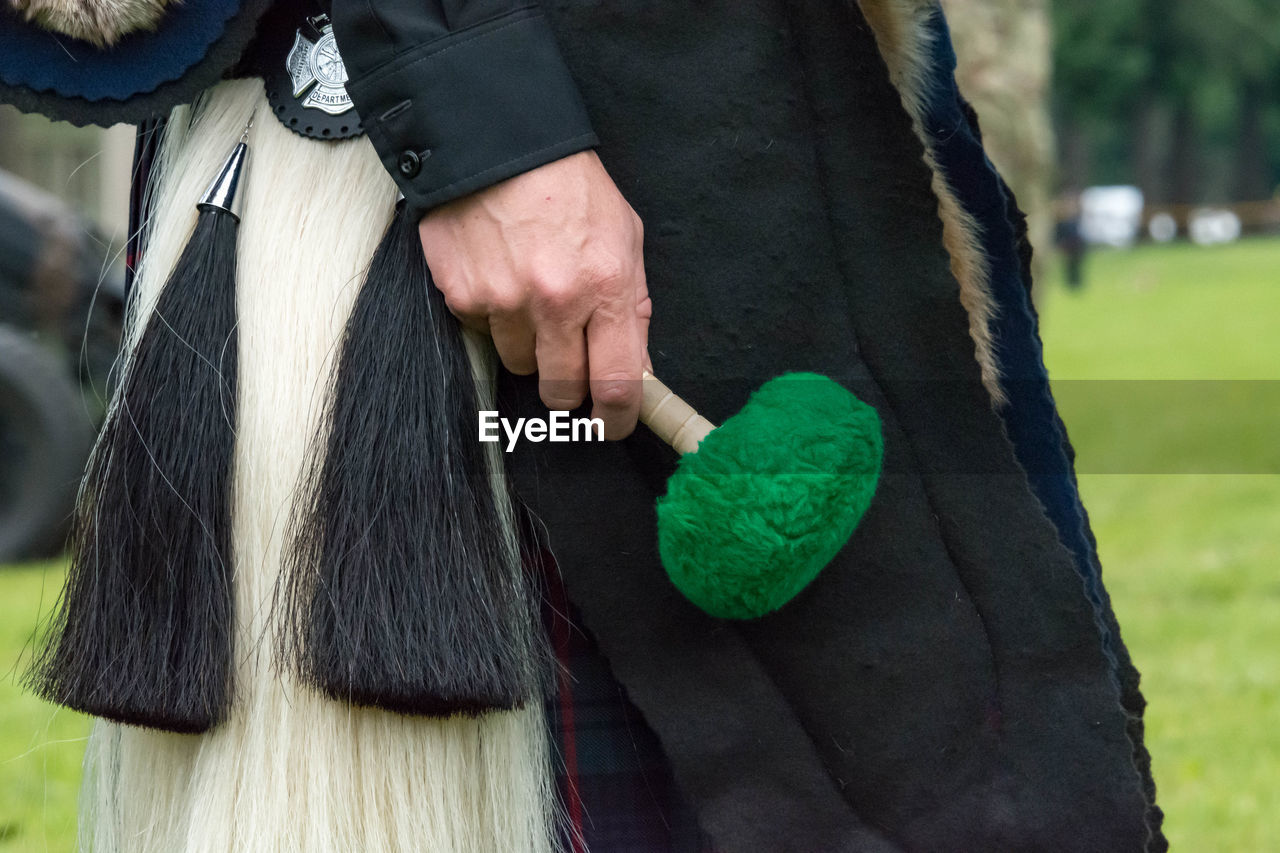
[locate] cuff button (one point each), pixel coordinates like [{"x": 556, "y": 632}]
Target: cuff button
[{"x": 409, "y": 164}]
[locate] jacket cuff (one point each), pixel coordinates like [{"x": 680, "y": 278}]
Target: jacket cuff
[{"x": 473, "y": 108}]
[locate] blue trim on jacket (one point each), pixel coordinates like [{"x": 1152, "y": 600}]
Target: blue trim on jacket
[{"x": 1030, "y": 417}]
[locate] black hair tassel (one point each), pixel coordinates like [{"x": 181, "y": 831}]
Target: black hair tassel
[
  {"x": 400, "y": 590},
  {"x": 144, "y": 631}
]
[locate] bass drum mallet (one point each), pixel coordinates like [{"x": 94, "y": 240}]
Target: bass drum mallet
[{"x": 758, "y": 506}]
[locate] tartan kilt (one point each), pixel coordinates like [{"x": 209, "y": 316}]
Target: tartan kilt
[{"x": 615, "y": 782}]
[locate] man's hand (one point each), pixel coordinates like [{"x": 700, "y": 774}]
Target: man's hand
[{"x": 550, "y": 263}]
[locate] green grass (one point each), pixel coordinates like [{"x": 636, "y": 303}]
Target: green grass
[
  {"x": 1169, "y": 312},
  {"x": 40, "y": 745},
  {"x": 1190, "y": 558}
]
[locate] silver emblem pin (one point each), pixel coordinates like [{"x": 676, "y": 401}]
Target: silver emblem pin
[{"x": 317, "y": 70}]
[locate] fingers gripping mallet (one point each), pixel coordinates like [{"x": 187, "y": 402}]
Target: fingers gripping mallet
[{"x": 758, "y": 506}]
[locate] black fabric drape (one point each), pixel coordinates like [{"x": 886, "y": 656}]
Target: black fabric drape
[{"x": 942, "y": 685}]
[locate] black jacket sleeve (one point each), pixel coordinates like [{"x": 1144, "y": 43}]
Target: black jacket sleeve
[{"x": 458, "y": 94}]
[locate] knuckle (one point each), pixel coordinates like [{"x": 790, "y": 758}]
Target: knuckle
[
  {"x": 506, "y": 302},
  {"x": 617, "y": 393},
  {"x": 541, "y": 278},
  {"x": 461, "y": 303},
  {"x": 644, "y": 309},
  {"x": 558, "y": 296},
  {"x": 605, "y": 270}
]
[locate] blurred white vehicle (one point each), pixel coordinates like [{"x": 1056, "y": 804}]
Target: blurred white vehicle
[
  {"x": 1210, "y": 227},
  {"x": 1163, "y": 228},
  {"x": 1111, "y": 216}
]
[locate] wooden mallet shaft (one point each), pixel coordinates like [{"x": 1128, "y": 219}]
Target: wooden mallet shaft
[{"x": 671, "y": 418}]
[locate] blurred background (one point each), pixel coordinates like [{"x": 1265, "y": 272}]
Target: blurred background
[{"x": 1143, "y": 139}]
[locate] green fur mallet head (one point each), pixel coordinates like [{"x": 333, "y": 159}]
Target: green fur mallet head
[{"x": 759, "y": 505}]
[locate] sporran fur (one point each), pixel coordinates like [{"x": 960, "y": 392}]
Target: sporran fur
[
  {"x": 291, "y": 769},
  {"x": 143, "y": 634},
  {"x": 401, "y": 590}
]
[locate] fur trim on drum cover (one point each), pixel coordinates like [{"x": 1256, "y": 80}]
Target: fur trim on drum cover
[
  {"x": 901, "y": 31},
  {"x": 292, "y": 770},
  {"x": 143, "y": 74},
  {"x": 100, "y": 22}
]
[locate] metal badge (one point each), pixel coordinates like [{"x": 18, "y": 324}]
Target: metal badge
[
  {"x": 309, "y": 95},
  {"x": 317, "y": 66}
]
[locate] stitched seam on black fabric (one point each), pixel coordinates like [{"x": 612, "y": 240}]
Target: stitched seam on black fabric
[
  {"x": 431, "y": 50},
  {"x": 573, "y": 140},
  {"x": 820, "y": 159},
  {"x": 373, "y": 13}
]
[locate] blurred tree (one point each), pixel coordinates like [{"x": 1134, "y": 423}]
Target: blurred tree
[{"x": 1177, "y": 96}]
